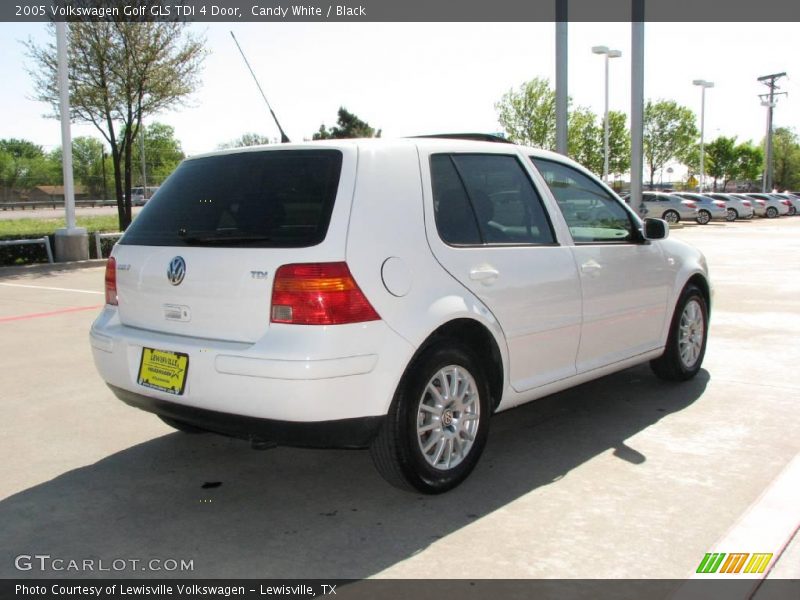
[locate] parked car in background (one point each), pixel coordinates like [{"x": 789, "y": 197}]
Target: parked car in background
[
  {"x": 261, "y": 295},
  {"x": 759, "y": 205},
  {"x": 773, "y": 207},
  {"x": 140, "y": 195},
  {"x": 669, "y": 207},
  {"x": 793, "y": 202},
  {"x": 738, "y": 208},
  {"x": 708, "y": 209}
]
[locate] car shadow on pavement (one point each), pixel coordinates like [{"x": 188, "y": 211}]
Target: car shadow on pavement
[{"x": 305, "y": 513}]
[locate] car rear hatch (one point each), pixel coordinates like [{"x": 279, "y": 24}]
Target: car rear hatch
[{"x": 200, "y": 258}]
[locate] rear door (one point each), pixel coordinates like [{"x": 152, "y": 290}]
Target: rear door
[
  {"x": 624, "y": 279},
  {"x": 491, "y": 232},
  {"x": 200, "y": 258}
]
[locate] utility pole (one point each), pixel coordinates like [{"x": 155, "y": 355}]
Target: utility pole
[
  {"x": 637, "y": 104},
  {"x": 144, "y": 163},
  {"x": 768, "y": 100}
]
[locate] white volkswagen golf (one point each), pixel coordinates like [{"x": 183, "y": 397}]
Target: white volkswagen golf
[{"x": 390, "y": 294}]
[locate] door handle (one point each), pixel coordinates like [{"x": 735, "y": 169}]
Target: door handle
[
  {"x": 486, "y": 274},
  {"x": 591, "y": 267}
]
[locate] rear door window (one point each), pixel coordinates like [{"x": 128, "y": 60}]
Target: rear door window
[
  {"x": 487, "y": 199},
  {"x": 279, "y": 198}
]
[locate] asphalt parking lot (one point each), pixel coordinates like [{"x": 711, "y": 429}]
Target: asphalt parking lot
[{"x": 625, "y": 477}]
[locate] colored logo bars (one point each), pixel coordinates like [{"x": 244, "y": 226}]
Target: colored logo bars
[{"x": 734, "y": 563}]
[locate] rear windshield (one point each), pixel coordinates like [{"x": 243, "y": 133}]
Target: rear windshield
[{"x": 268, "y": 199}]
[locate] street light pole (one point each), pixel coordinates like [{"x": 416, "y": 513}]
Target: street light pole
[
  {"x": 608, "y": 55},
  {"x": 703, "y": 85}
]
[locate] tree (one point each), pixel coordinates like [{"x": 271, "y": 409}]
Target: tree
[
  {"x": 245, "y": 140},
  {"x": 585, "y": 139},
  {"x": 669, "y": 134},
  {"x": 529, "y": 115},
  {"x": 721, "y": 160},
  {"x": 348, "y": 126},
  {"x": 619, "y": 143},
  {"x": 162, "y": 153},
  {"x": 749, "y": 161},
  {"x": 786, "y": 159},
  {"x": 24, "y": 165},
  {"x": 120, "y": 72}
]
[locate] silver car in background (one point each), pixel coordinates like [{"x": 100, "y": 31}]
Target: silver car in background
[
  {"x": 665, "y": 206},
  {"x": 738, "y": 208},
  {"x": 793, "y": 202},
  {"x": 707, "y": 208},
  {"x": 773, "y": 207},
  {"x": 759, "y": 206}
]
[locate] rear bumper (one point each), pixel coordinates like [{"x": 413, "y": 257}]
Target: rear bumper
[
  {"x": 342, "y": 433},
  {"x": 294, "y": 374}
]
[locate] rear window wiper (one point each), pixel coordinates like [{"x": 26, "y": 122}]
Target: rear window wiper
[{"x": 221, "y": 236}]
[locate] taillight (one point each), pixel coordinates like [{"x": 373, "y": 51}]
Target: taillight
[
  {"x": 762, "y": 202},
  {"x": 111, "y": 281},
  {"x": 318, "y": 294},
  {"x": 787, "y": 203},
  {"x": 746, "y": 203},
  {"x": 689, "y": 204},
  {"x": 719, "y": 203}
]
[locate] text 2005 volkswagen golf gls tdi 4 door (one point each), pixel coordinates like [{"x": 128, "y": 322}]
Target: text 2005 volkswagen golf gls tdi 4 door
[{"x": 389, "y": 294}]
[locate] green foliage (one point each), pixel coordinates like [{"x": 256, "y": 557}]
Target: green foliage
[
  {"x": 619, "y": 143},
  {"x": 347, "y": 126},
  {"x": 528, "y": 115},
  {"x": 749, "y": 161},
  {"x": 162, "y": 154},
  {"x": 24, "y": 165},
  {"x": 585, "y": 139},
  {"x": 786, "y": 159},
  {"x": 119, "y": 73},
  {"x": 669, "y": 134},
  {"x": 245, "y": 140},
  {"x": 21, "y": 148},
  {"x": 721, "y": 160}
]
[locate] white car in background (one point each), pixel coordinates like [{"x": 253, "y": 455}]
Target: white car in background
[
  {"x": 669, "y": 207},
  {"x": 773, "y": 207},
  {"x": 738, "y": 208},
  {"x": 390, "y": 294}
]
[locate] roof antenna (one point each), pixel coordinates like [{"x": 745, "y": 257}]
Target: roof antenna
[{"x": 284, "y": 138}]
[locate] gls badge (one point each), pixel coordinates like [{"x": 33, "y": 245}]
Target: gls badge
[{"x": 177, "y": 270}]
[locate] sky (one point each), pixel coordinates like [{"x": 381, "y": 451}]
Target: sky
[{"x": 417, "y": 78}]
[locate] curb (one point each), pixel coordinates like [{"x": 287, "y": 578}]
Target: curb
[{"x": 50, "y": 268}]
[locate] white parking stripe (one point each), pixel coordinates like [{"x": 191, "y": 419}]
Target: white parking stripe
[{"x": 56, "y": 289}]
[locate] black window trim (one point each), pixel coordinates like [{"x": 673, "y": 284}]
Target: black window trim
[
  {"x": 485, "y": 244},
  {"x": 633, "y": 218}
]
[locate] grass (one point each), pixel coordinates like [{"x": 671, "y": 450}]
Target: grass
[{"x": 24, "y": 228}]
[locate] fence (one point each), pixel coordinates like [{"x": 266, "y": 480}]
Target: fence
[{"x": 43, "y": 240}]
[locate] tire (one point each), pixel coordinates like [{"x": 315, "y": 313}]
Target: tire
[
  {"x": 412, "y": 447},
  {"x": 181, "y": 426},
  {"x": 731, "y": 215},
  {"x": 703, "y": 217},
  {"x": 772, "y": 212},
  {"x": 688, "y": 334},
  {"x": 792, "y": 211},
  {"x": 671, "y": 217}
]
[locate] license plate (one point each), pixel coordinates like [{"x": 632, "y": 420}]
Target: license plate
[{"x": 163, "y": 370}]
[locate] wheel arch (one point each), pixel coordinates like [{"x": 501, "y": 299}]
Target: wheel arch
[{"x": 480, "y": 341}]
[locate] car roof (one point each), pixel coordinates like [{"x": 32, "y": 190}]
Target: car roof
[{"x": 423, "y": 143}]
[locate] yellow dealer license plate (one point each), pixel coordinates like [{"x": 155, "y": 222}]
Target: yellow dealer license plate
[{"x": 163, "y": 370}]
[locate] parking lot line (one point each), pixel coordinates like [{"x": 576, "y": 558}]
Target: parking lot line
[
  {"x": 55, "y": 289},
  {"x": 49, "y": 314}
]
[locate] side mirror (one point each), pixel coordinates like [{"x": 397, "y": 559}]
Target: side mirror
[{"x": 655, "y": 229}]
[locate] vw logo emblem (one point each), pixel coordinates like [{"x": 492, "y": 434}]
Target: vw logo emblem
[{"x": 176, "y": 271}]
